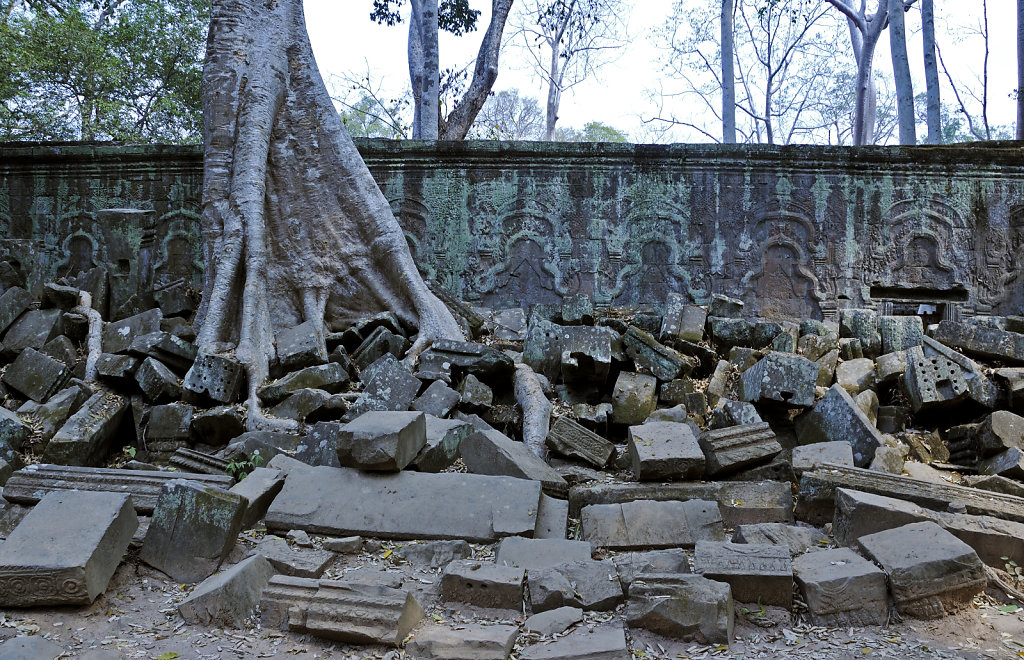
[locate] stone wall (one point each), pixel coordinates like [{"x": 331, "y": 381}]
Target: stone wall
[{"x": 794, "y": 231}]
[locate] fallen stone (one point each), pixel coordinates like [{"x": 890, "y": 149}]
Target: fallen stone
[
  {"x": 842, "y": 589},
  {"x": 33, "y": 329},
  {"x": 553, "y": 621},
  {"x": 483, "y": 584},
  {"x": 717, "y": 385},
  {"x": 590, "y": 585},
  {"x": 65, "y": 551},
  {"x": 986, "y": 342},
  {"x": 377, "y": 343},
  {"x": 586, "y": 354},
  {"x": 86, "y": 438},
  {"x": 227, "y": 599},
  {"x": 933, "y": 382},
  {"x": 600, "y": 643},
  {"x": 469, "y": 641},
  {"x": 686, "y": 607},
  {"x": 552, "y": 518},
  {"x": 387, "y": 386},
  {"x": 634, "y": 398},
  {"x": 192, "y": 530},
  {"x": 540, "y": 553},
  {"x": 797, "y": 539},
  {"x": 35, "y": 375},
  {"x": 649, "y": 524},
  {"x": 980, "y": 387},
  {"x": 494, "y": 453},
  {"x": 30, "y": 647},
  {"x": 13, "y": 303},
  {"x": 197, "y": 462},
  {"x": 900, "y": 332},
  {"x": 996, "y": 484},
  {"x": 437, "y": 400},
  {"x": 809, "y": 457},
  {"x": 342, "y": 611},
  {"x": 578, "y": 309},
  {"x": 301, "y": 346},
  {"x": 220, "y": 425},
  {"x": 649, "y": 354},
  {"x": 259, "y": 488},
  {"x": 297, "y": 562},
  {"x": 330, "y": 377},
  {"x": 349, "y": 545},
  {"x": 632, "y": 564},
  {"x": 213, "y": 377},
  {"x": 861, "y": 324},
  {"x": 444, "y": 437},
  {"x": 837, "y": 418},
  {"x": 117, "y": 370},
  {"x": 385, "y": 441},
  {"x": 13, "y": 431},
  {"x": 302, "y": 404},
  {"x": 867, "y": 401},
  {"x": 931, "y": 572},
  {"x": 157, "y": 382},
  {"x": 740, "y": 502},
  {"x": 734, "y": 413},
  {"x": 661, "y": 451},
  {"x": 737, "y": 447},
  {"x": 1009, "y": 463},
  {"x": 758, "y": 573},
  {"x": 172, "y": 351},
  {"x": 462, "y": 357},
  {"x": 434, "y": 554},
  {"x": 683, "y": 321},
  {"x": 404, "y": 505},
  {"x": 119, "y": 335},
  {"x": 568, "y": 438},
  {"x": 856, "y": 376},
  {"x": 781, "y": 379}
]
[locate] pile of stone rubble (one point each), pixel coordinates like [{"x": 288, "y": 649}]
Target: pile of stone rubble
[{"x": 661, "y": 465}]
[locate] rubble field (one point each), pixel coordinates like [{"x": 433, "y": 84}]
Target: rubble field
[{"x": 673, "y": 481}]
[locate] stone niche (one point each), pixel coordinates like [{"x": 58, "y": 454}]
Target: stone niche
[{"x": 796, "y": 232}]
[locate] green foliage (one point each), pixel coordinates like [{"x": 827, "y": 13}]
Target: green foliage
[
  {"x": 366, "y": 115},
  {"x": 593, "y": 131},
  {"x": 103, "y": 70},
  {"x": 240, "y": 468},
  {"x": 453, "y": 16}
]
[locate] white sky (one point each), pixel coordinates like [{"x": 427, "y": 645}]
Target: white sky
[{"x": 345, "y": 40}]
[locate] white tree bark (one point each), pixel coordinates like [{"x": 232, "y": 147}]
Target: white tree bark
[
  {"x": 864, "y": 34},
  {"x": 294, "y": 227},
  {"x": 729, "y": 76},
  {"x": 931, "y": 72},
  {"x": 1020, "y": 69},
  {"x": 424, "y": 69},
  {"x": 901, "y": 73}
]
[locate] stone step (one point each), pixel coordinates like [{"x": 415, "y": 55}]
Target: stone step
[{"x": 30, "y": 484}]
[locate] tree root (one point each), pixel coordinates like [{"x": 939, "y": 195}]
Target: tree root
[{"x": 536, "y": 409}]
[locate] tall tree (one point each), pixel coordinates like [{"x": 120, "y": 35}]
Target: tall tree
[
  {"x": 728, "y": 76},
  {"x": 901, "y": 73},
  {"x": 427, "y": 17},
  {"x": 931, "y": 72},
  {"x": 567, "y": 41},
  {"x": 1020, "y": 70},
  {"x": 281, "y": 178},
  {"x": 507, "y": 115}
]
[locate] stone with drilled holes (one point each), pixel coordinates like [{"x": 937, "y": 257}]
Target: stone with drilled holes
[
  {"x": 842, "y": 589},
  {"x": 933, "y": 381},
  {"x": 686, "y": 607},
  {"x": 215, "y": 377},
  {"x": 228, "y": 598},
  {"x": 661, "y": 451},
  {"x": 931, "y": 572},
  {"x": 758, "y": 573},
  {"x": 66, "y": 549},
  {"x": 484, "y": 584},
  {"x": 648, "y": 524}
]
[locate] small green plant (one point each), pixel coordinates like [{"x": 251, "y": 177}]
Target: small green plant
[{"x": 240, "y": 468}]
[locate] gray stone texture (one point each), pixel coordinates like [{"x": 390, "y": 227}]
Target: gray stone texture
[
  {"x": 216, "y": 378},
  {"x": 569, "y": 438},
  {"x": 259, "y": 488},
  {"x": 809, "y": 457},
  {"x": 443, "y": 440},
  {"x": 662, "y": 451},
  {"x": 86, "y": 438},
  {"x": 758, "y": 573},
  {"x": 35, "y": 375},
  {"x": 602, "y": 643},
  {"x": 634, "y": 397},
  {"x": 589, "y": 585},
  {"x": 797, "y": 539},
  {"x": 119, "y": 335},
  {"x": 472, "y": 641},
  {"x": 686, "y": 607},
  {"x": 378, "y": 440},
  {"x": 494, "y": 453},
  {"x": 652, "y": 356},
  {"x": 734, "y": 448},
  {"x": 295, "y": 561},
  {"x": 483, "y": 584},
  {"x": 434, "y": 554},
  {"x": 838, "y": 418},
  {"x": 540, "y": 553},
  {"x": 228, "y": 598},
  {"x": 842, "y": 589},
  {"x": 647, "y": 524},
  {"x": 933, "y": 382},
  {"x": 782, "y": 379},
  {"x": 554, "y": 621}
]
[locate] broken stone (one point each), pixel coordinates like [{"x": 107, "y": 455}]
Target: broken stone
[
  {"x": 14, "y": 301},
  {"x": 386, "y": 441},
  {"x": 483, "y": 584},
  {"x": 931, "y": 572},
  {"x": 349, "y": 545},
  {"x": 192, "y": 530},
  {"x": 758, "y": 573},
  {"x": 651, "y": 355},
  {"x": 782, "y": 379},
  {"x": 634, "y": 398},
  {"x": 586, "y": 354},
  {"x": 552, "y": 518},
  {"x": 980, "y": 388},
  {"x": 494, "y": 453},
  {"x": 510, "y": 324},
  {"x": 227, "y": 599},
  {"x": 33, "y": 329},
  {"x": 890, "y": 367},
  {"x": 472, "y": 640},
  {"x": 404, "y": 505},
  {"x": 437, "y": 400},
  {"x": 900, "y": 332},
  {"x": 578, "y": 309},
  {"x": 259, "y": 488},
  {"x": 797, "y": 539},
  {"x": 856, "y": 376},
  {"x": 117, "y": 370},
  {"x": 462, "y": 357},
  {"x": 166, "y": 348},
  {"x": 600, "y": 643},
  {"x": 297, "y": 562},
  {"x": 650, "y": 524},
  {"x": 304, "y": 403},
  {"x": 62, "y": 349},
  {"x": 174, "y": 299},
  {"x": 683, "y": 321},
  {"x": 998, "y": 432},
  {"x": 301, "y": 346},
  {"x": 867, "y": 401},
  {"x": 35, "y": 375},
  {"x": 842, "y": 589},
  {"x": 686, "y": 607},
  {"x": 861, "y": 324},
  {"x": 933, "y": 381},
  {"x": 65, "y": 551},
  {"x": 568, "y": 438},
  {"x": 443, "y": 439},
  {"x": 388, "y": 386},
  {"x": 13, "y": 431},
  {"x": 996, "y": 484},
  {"x": 734, "y": 413},
  {"x": 378, "y": 343},
  {"x": 434, "y": 554},
  {"x": 737, "y": 447},
  {"x": 343, "y": 611},
  {"x": 1009, "y": 463},
  {"x": 330, "y": 377},
  {"x": 809, "y": 457},
  {"x": 474, "y": 395},
  {"x": 218, "y": 378},
  {"x": 590, "y": 585},
  {"x": 157, "y": 382},
  {"x": 119, "y": 335},
  {"x": 981, "y": 341},
  {"x": 664, "y": 450},
  {"x": 51, "y": 416},
  {"x": 540, "y": 553},
  {"x": 32, "y": 647},
  {"x": 218, "y": 426},
  {"x": 630, "y": 565},
  {"x": 553, "y": 621},
  {"x": 836, "y": 417},
  {"x": 86, "y": 437}
]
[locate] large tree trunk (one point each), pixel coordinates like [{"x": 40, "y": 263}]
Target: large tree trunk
[
  {"x": 294, "y": 227},
  {"x": 424, "y": 69},
  {"x": 729, "y": 76},
  {"x": 554, "y": 94},
  {"x": 901, "y": 73},
  {"x": 1020, "y": 69},
  {"x": 462, "y": 116},
  {"x": 931, "y": 72}
]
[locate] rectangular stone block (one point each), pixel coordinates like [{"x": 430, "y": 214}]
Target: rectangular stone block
[
  {"x": 837, "y": 417},
  {"x": 648, "y": 353},
  {"x": 634, "y": 397},
  {"x": 737, "y": 447},
  {"x": 568, "y": 438},
  {"x": 781, "y": 379},
  {"x": 405, "y": 505},
  {"x": 540, "y": 553},
  {"x": 66, "y": 549},
  {"x": 35, "y": 375},
  {"x": 586, "y": 354},
  {"x": 933, "y": 382},
  {"x": 259, "y": 488},
  {"x": 758, "y": 573},
  {"x": 212, "y": 377},
  {"x": 649, "y": 524},
  {"x": 985, "y": 342},
  {"x": 483, "y": 584},
  {"x": 552, "y": 518},
  {"x": 228, "y": 598},
  {"x": 343, "y": 611},
  {"x": 661, "y": 451},
  {"x": 377, "y": 440},
  {"x": 686, "y": 607},
  {"x": 444, "y": 439},
  {"x": 683, "y": 321},
  {"x": 13, "y": 302},
  {"x": 86, "y": 437},
  {"x": 494, "y": 453},
  {"x": 473, "y": 641},
  {"x": 842, "y": 589},
  {"x": 119, "y": 335},
  {"x": 30, "y": 484},
  {"x": 604, "y": 643}
]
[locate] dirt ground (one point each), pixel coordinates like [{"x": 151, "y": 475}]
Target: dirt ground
[{"x": 136, "y": 618}]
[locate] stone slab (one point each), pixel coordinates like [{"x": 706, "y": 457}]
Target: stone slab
[
  {"x": 797, "y": 539},
  {"x": 837, "y": 417},
  {"x": 494, "y": 453},
  {"x": 552, "y": 518},
  {"x": 758, "y": 573},
  {"x": 737, "y": 447},
  {"x": 36, "y": 375},
  {"x": 686, "y": 607},
  {"x": 471, "y": 641},
  {"x": 588, "y": 584},
  {"x": 540, "y": 553},
  {"x": 601, "y": 643},
  {"x": 259, "y": 488},
  {"x": 405, "y": 505},
  {"x": 295, "y": 561},
  {"x": 65, "y": 551},
  {"x": 660, "y": 451},
  {"x": 483, "y": 584},
  {"x": 842, "y": 589},
  {"x": 86, "y": 438},
  {"x": 230, "y": 597},
  {"x": 647, "y": 524}
]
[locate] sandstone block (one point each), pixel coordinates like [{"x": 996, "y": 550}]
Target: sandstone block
[{"x": 662, "y": 451}]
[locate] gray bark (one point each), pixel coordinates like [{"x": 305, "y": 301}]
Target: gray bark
[
  {"x": 901, "y": 73},
  {"x": 416, "y": 73},
  {"x": 1020, "y": 69},
  {"x": 424, "y": 69},
  {"x": 554, "y": 93},
  {"x": 536, "y": 409},
  {"x": 294, "y": 227},
  {"x": 729, "y": 76},
  {"x": 931, "y": 72},
  {"x": 864, "y": 34},
  {"x": 462, "y": 116}
]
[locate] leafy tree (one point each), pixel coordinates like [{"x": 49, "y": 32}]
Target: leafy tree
[
  {"x": 593, "y": 131},
  {"x": 102, "y": 70},
  {"x": 508, "y": 116}
]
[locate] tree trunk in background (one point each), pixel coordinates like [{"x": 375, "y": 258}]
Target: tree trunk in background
[
  {"x": 1020, "y": 69},
  {"x": 554, "y": 94},
  {"x": 931, "y": 71},
  {"x": 901, "y": 73},
  {"x": 729, "y": 76},
  {"x": 864, "y": 34},
  {"x": 462, "y": 116},
  {"x": 424, "y": 69},
  {"x": 294, "y": 227}
]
